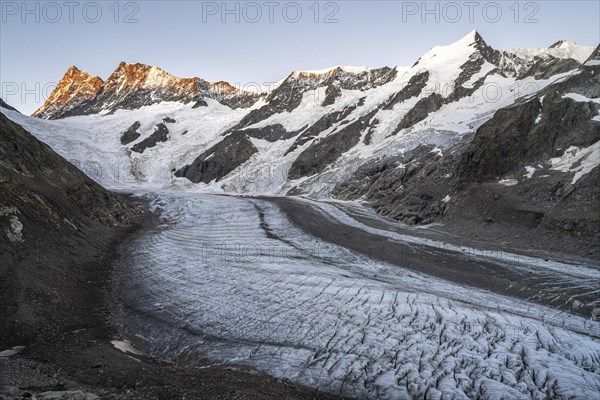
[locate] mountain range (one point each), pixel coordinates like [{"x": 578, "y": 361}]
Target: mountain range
[{"x": 468, "y": 134}]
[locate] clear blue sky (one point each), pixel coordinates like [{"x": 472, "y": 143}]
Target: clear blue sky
[{"x": 189, "y": 38}]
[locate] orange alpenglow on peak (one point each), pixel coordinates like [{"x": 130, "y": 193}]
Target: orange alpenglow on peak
[
  {"x": 75, "y": 85},
  {"x": 131, "y": 85}
]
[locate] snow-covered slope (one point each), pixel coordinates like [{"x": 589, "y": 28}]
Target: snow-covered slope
[{"x": 306, "y": 135}]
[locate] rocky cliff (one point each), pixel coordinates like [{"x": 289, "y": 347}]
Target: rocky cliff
[
  {"x": 56, "y": 228},
  {"x": 532, "y": 165}
]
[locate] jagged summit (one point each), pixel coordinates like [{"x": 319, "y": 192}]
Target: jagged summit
[
  {"x": 72, "y": 70},
  {"x": 130, "y": 86},
  {"x": 461, "y": 60},
  {"x": 142, "y": 76},
  {"x": 329, "y": 71},
  {"x": 74, "y": 88},
  {"x": 560, "y": 43},
  {"x": 76, "y": 74},
  {"x": 459, "y": 51},
  {"x": 470, "y": 38},
  {"x": 462, "y": 64}
]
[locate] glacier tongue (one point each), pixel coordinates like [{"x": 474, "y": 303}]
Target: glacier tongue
[{"x": 232, "y": 279}]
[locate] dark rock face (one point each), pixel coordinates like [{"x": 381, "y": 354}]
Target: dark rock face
[
  {"x": 409, "y": 187},
  {"x": 487, "y": 52},
  {"x": 468, "y": 70},
  {"x": 341, "y": 79},
  {"x": 200, "y": 103},
  {"x": 226, "y": 94},
  {"x": 413, "y": 88},
  {"x": 288, "y": 96},
  {"x": 131, "y": 134},
  {"x": 219, "y": 160},
  {"x": 169, "y": 120},
  {"x": 462, "y": 189},
  {"x": 54, "y": 221},
  {"x": 421, "y": 110},
  {"x": 544, "y": 69},
  {"x": 285, "y": 98},
  {"x": 324, "y": 123},
  {"x": 132, "y": 101},
  {"x": 271, "y": 133},
  {"x": 161, "y": 134},
  {"x": 323, "y": 152},
  {"x": 512, "y": 139},
  {"x": 540, "y": 67},
  {"x": 499, "y": 145},
  {"x": 369, "y": 136}
]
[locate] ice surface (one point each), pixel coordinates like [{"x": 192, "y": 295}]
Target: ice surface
[{"x": 232, "y": 278}]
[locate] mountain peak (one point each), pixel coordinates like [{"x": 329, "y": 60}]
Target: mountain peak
[
  {"x": 125, "y": 68},
  {"x": 469, "y": 39},
  {"x": 456, "y": 53},
  {"x": 74, "y": 87},
  {"x": 75, "y": 74},
  {"x": 474, "y": 34},
  {"x": 328, "y": 71},
  {"x": 128, "y": 77},
  {"x": 130, "y": 86},
  {"x": 468, "y": 43},
  {"x": 472, "y": 38},
  {"x": 559, "y": 44}
]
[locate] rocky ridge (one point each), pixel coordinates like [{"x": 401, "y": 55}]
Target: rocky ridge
[
  {"x": 132, "y": 86},
  {"x": 409, "y": 140}
]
